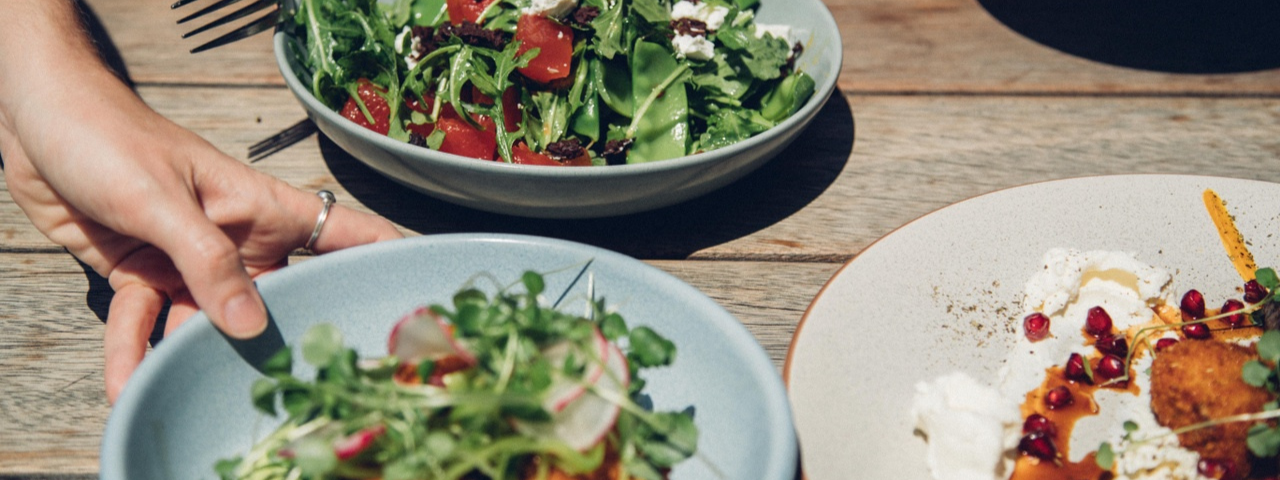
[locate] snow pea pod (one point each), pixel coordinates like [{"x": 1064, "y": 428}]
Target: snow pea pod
[
  {"x": 787, "y": 97},
  {"x": 586, "y": 103},
  {"x": 613, "y": 83},
  {"x": 661, "y": 126}
]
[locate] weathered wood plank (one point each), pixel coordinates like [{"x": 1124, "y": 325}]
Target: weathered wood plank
[
  {"x": 822, "y": 199},
  {"x": 52, "y": 408},
  {"x": 889, "y": 46}
]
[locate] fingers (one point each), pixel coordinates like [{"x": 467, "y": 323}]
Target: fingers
[
  {"x": 129, "y": 322},
  {"x": 347, "y": 228},
  {"x": 181, "y": 308},
  {"x": 211, "y": 267}
]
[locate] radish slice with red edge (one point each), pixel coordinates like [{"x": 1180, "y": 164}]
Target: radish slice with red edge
[
  {"x": 566, "y": 390},
  {"x": 585, "y": 421},
  {"x": 346, "y": 448},
  {"x": 423, "y": 335}
]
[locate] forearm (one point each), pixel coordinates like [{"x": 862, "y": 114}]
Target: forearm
[{"x": 46, "y": 60}]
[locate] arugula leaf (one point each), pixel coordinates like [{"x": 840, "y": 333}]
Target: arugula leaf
[
  {"x": 609, "y": 27},
  {"x": 652, "y": 11},
  {"x": 721, "y": 77},
  {"x": 730, "y": 126}
]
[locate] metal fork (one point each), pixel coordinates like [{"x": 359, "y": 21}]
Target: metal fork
[{"x": 261, "y": 24}]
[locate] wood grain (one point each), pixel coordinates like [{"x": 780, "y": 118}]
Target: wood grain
[
  {"x": 867, "y": 165},
  {"x": 908, "y": 46},
  {"x": 52, "y": 407}
]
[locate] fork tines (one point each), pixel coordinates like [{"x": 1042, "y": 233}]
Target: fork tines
[
  {"x": 289, "y": 136},
  {"x": 259, "y": 25}
]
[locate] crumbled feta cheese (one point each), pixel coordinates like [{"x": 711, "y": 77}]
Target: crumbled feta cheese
[
  {"x": 399, "y": 43},
  {"x": 410, "y": 57},
  {"x": 713, "y": 16},
  {"x": 550, "y": 8},
  {"x": 697, "y": 48},
  {"x": 778, "y": 31},
  {"x": 972, "y": 430}
]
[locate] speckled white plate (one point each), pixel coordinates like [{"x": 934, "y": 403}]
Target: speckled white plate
[
  {"x": 943, "y": 293},
  {"x": 188, "y": 404}
]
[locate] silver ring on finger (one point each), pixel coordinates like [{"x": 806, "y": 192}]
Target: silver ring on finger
[{"x": 329, "y": 199}]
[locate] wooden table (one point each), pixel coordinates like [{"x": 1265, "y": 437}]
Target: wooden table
[{"x": 937, "y": 102}]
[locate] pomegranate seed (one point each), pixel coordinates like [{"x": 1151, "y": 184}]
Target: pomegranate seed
[
  {"x": 1098, "y": 322},
  {"x": 1113, "y": 344},
  {"x": 1059, "y": 397},
  {"x": 1110, "y": 367},
  {"x": 1254, "y": 292},
  {"x": 1192, "y": 305},
  {"x": 1198, "y": 331},
  {"x": 1036, "y": 326},
  {"x": 1164, "y": 343},
  {"x": 1074, "y": 370},
  {"x": 1037, "y": 423},
  {"x": 1038, "y": 445},
  {"x": 1232, "y": 305},
  {"x": 1215, "y": 468}
]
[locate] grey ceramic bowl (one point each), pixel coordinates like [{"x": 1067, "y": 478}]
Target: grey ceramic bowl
[
  {"x": 188, "y": 404},
  {"x": 557, "y": 192}
]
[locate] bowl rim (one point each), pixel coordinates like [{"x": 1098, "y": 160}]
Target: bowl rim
[
  {"x": 782, "y": 445},
  {"x": 409, "y": 153}
]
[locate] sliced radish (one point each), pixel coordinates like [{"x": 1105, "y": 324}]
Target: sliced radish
[
  {"x": 352, "y": 445},
  {"x": 585, "y": 421},
  {"x": 566, "y": 390},
  {"x": 423, "y": 335}
]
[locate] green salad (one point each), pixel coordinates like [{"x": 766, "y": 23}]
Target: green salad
[
  {"x": 552, "y": 82},
  {"x": 492, "y": 387}
]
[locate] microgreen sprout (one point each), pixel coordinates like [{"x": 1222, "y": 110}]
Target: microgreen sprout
[{"x": 490, "y": 418}]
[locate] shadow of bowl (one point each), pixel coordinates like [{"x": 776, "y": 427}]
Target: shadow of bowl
[
  {"x": 1175, "y": 36},
  {"x": 779, "y": 189}
]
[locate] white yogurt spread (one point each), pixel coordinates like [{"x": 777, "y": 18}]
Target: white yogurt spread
[
  {"x": 972, "y": 430},
  {"x": 1068, "y": 284}
]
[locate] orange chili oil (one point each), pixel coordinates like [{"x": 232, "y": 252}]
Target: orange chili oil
[{"x": 1064, "y": 419}]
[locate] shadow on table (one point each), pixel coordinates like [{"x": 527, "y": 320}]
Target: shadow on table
[
  {"x": 776, "y": 190},
  {"x": 1178, "y": 36}
]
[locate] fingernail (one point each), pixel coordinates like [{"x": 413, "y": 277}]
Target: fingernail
[{"x": 245, "y": 317}]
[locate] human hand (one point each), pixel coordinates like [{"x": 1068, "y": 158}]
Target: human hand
[{"x": 155, "y": 209}]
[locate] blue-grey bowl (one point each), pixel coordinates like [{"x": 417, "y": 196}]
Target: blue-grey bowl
[
  {"x": 559, "y": 192},
  {"x": 188, "y": 405}
]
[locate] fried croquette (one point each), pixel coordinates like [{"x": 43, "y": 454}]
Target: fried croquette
[{"x": 1194, "y": 381}]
